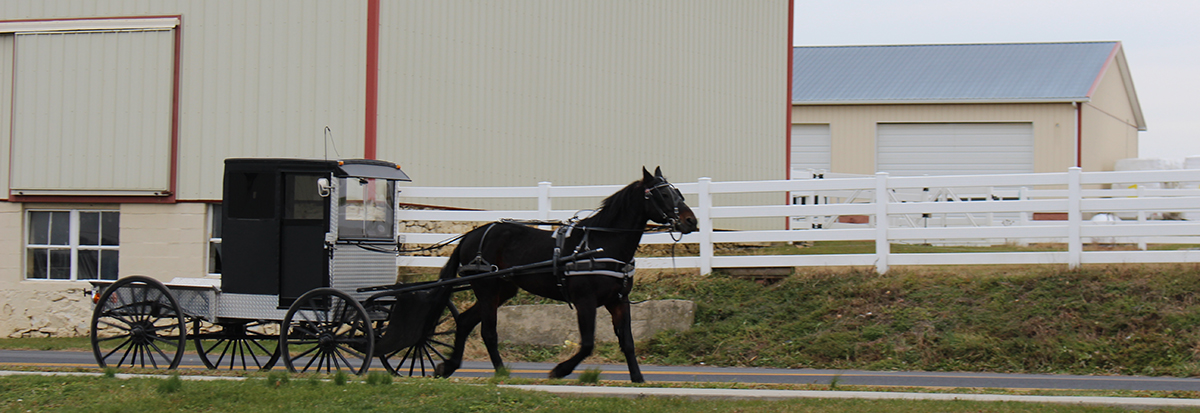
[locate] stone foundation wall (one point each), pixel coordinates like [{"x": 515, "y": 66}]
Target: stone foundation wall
[
  {"x": 553, "y": 324},
  {"x": 65, "y": 312}
]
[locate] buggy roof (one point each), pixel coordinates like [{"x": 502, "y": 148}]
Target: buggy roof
[{"x": 358, "y": 168}]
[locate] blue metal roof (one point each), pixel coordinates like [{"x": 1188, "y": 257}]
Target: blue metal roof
[{"x": 1019, "y": 72}]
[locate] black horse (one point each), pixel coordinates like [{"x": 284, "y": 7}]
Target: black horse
[{"x": 616, "y": 228}]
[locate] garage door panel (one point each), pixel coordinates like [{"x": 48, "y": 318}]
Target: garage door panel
[
  {"x": 811, "y": 147},
  {"x": 954, "y": 148}
]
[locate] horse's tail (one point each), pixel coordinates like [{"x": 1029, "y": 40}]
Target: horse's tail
[{"x": 450, "y": 270}]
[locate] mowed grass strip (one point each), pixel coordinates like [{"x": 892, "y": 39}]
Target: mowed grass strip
[{"x": 315, "y": 394}]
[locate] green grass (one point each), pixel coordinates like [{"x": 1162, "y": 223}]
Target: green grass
[{"x": 99, "y": 394}]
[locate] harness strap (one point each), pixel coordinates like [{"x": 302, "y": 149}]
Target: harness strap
[
  {"x": 478, "y": 264},
  {"x": 560, "y": 239},
  {"x": 600, "y": 266}
]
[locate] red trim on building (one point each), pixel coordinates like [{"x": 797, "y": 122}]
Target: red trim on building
[
  {"x": 1111, "y": 56},
  {"x": 174, "y": 172},
  {"x": 371, "y": 129}
]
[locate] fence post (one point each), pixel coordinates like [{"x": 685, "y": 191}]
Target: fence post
[
  {"x": 1074, "y": 217},
  {"x": 704, "y": 215},
  {"x": 1141, "y": 216},
  {"x": 882, "y": 247},
  {"x": 543, "y": 201}
]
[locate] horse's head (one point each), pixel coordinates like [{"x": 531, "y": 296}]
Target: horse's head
[{"x": 664, "y": 203}]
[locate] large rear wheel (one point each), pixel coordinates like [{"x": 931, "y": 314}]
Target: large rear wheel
[
  {"x": 326, "y": 330},
  {"x": 137, "y": 322}
]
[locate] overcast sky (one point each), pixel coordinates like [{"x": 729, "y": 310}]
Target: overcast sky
[{"x": 1161, "y": 40}]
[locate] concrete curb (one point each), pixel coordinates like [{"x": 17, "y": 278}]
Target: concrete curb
[{"x": 742, "y": 394}]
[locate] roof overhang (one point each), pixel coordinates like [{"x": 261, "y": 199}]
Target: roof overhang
[
  {"x": 939, "y": 101},
  {"x": 1127, "y": 80}
]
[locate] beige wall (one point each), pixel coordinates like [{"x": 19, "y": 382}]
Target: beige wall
[
  {"x": 1109, "y": 126},
  {"x": 164, "y": 241},
  {"x": 160, "y": 241},
  {"x": 853, "y": 128}
]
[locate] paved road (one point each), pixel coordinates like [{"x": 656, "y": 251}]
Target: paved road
[{"x": 739, "y": 375}]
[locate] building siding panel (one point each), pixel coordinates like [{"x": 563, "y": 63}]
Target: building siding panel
[{"x": 513, "y": 93}]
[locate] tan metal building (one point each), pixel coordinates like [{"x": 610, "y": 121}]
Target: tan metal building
[
  {"x": 115, "y": 115},
  {"x": 963, "y": 109}
]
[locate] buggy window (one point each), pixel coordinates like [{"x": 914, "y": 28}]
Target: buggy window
[
  {"x": 250, "y": 195},
  {"x": 303, "y": 200},
  {"x": 365, "y": 209}
]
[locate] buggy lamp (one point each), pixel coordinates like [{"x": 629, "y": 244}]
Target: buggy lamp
[{"x": 95, "y": 293}]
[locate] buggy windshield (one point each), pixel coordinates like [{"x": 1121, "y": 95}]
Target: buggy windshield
[{"x": 365, "y": 209}]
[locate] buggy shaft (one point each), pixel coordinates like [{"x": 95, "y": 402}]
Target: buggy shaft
[{"x": 466, "y": 279}]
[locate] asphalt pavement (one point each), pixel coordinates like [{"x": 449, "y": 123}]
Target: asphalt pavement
[{"x": 731, "y": 374}]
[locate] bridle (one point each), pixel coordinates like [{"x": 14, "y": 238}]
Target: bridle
[{"x": 664, "y": 201}]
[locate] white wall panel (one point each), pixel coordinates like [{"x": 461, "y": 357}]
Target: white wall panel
[
  {"x": 92, "y": 112},
  {"x": 582, "y": 92}
]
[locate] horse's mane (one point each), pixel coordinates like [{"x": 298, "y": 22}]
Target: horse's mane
[{"x": 611, "y": 208}]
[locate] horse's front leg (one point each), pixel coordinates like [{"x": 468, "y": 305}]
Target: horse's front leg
[
  {"x": 585, "y": 311},
  {"x": 623, "y": 327}
]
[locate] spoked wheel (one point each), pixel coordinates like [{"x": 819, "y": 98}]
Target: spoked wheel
[
  {"x": 237, "y": 346},
  {"x": 326, "y": 329},
  {"x": 421, "y": 358},
  {"x": 140, "y": 324}
]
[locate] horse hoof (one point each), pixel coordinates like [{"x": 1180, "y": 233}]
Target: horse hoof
[{"x": 442, "y": 370}]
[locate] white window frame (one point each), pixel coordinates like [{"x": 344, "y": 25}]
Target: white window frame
[
  {"x": 72, "y": 244},
  {"x": 214, "y": 240}
]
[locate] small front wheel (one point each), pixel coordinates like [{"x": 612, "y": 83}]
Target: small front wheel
[
  {"x": 137, "y": 322},
  {"x": 243, "y": 345},
  {"x": 326, "y": 329}
]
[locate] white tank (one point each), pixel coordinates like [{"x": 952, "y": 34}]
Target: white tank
[{"x": 1142, "y": 164}]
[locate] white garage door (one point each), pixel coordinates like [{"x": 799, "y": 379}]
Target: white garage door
[
  {"x": 914, "y": 149},
  {"x": 810, "y": 149}
]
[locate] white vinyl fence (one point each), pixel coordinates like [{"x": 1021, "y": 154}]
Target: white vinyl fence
[{"x": 1100, "y": 207}]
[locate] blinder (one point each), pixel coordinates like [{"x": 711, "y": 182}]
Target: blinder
[{"x": 664, "y": 201}]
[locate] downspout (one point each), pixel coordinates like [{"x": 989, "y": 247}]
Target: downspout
[{"x": 370, "y": 129}]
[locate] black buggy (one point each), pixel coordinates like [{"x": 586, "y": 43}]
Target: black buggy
[{"x": 309, "y": 277}]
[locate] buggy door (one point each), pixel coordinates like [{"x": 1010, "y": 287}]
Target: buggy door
[{"x": 303, "y": 259}]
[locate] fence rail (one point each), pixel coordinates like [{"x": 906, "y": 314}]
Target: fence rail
[{"x": 899, "y": 209}]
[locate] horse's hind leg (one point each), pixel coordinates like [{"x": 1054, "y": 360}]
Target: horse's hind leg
[
  {"x": 466, "y": 322},
  {"x": 585, "y": 311},
  {"x": 622, "y": 326}
]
